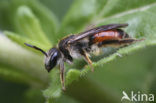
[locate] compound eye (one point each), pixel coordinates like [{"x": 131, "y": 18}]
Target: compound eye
[
  {"x": 53, "y": 59},
  {"x": 52, "y": 62}
]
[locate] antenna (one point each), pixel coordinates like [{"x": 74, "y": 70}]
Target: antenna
[{"x": 32, "y": 46}]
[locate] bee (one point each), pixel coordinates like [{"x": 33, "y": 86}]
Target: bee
[{"x": 83, "y": 44}]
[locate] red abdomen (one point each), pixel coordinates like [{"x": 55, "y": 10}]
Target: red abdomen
[{"x": 107, "y": 35}]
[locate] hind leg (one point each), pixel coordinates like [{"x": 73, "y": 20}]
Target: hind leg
[{"x": 117, "y": 43}]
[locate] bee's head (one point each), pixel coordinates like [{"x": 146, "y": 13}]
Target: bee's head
[{"x": 51, "y": 58}]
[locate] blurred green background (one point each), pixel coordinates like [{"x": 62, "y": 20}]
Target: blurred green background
[{"x": 23, "y": 78}]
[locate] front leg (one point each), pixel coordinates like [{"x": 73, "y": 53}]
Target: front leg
[{"x": 62, "y": 78}]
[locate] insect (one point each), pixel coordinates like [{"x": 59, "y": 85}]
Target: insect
[{"x": 83, "y": 44}]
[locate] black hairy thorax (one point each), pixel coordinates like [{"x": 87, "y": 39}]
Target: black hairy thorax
[{"x": 74, "y": 50}]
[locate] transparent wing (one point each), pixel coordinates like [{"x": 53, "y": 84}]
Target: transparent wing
[{"x": 95, "y": 30}]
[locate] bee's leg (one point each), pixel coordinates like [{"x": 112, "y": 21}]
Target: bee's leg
[
  {"x": 127, "y": 41},
  {"x": 87, "y": 59},
  {"x": 62, "y": 75},
  {"x": 118, "y": 43}
]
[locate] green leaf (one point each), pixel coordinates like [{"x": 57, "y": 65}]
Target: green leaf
[
  {"x": 54, "y": 91},
  {"x": 113, "y": 7},
  {"x": 14, "y": 56},
  {"x": 62, "y": 99},
  {"x": 48, "y": 20},
  {"x": 133, "y": 72},
  {"x": 20, "y": 40},
  {"x": 5, "y": 22},
  {"x": 79, "y": 14},
  {"x": 86, "y": 12},
  {"x": 28, "y": 24}
]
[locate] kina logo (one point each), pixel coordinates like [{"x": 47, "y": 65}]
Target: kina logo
[{"x": 137, "y": 96}]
